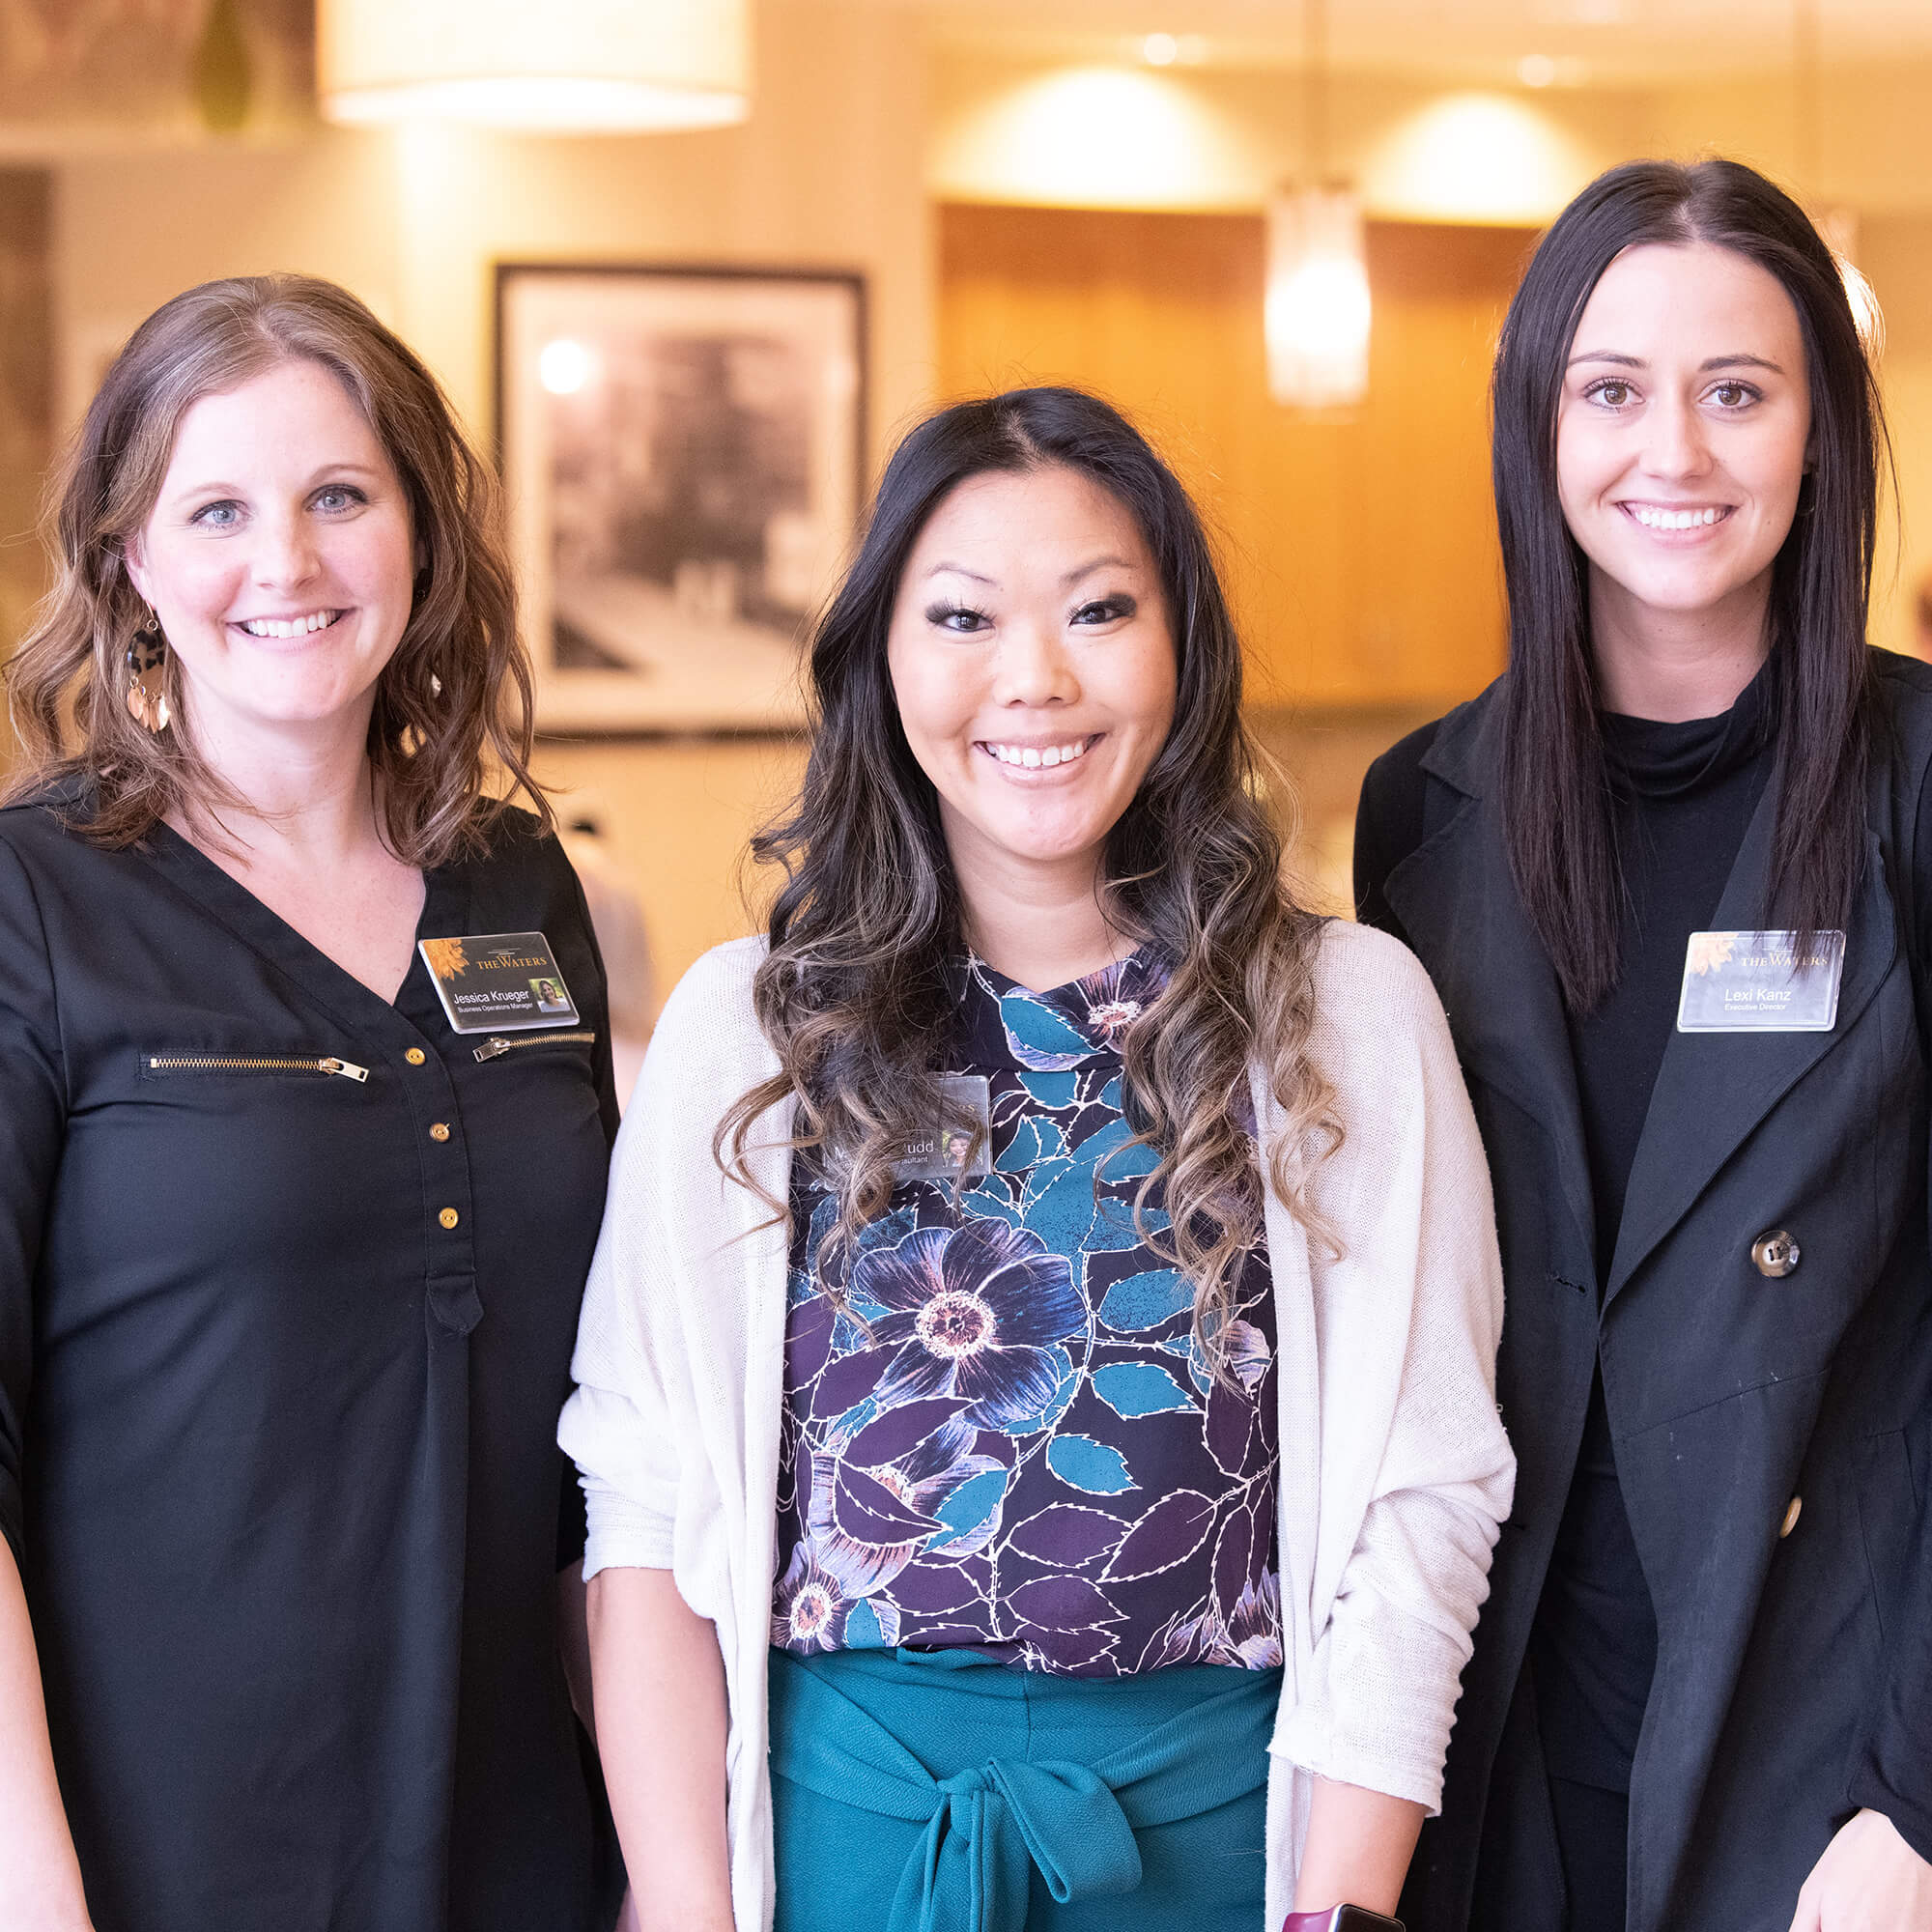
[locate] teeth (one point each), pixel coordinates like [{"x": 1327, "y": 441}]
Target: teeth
[
  {"x": 1672, "y": 520},
  {"x": 295, "y": 627},
  {"x": 1036, "y": 757}
]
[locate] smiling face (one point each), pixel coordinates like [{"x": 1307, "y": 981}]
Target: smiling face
[
  {"x": 1681, "y": 436},
  {"x": 278, "y": 557},
  {"x": 1035, "y": 671}
]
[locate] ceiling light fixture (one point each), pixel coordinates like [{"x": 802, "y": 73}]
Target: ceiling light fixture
[
  {"x": 1316, "y": 307},
  {"x": 588, "y": 67}
]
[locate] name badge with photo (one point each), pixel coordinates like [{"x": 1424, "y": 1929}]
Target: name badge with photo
[
  {"x": 498, "y": 982},
  {"x": 940, "y": 1152},
  {"x": 1757, "y": 982}
]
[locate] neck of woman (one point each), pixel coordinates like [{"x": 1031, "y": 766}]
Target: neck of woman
[
  {"x": 1673, "y": 665},
  {"x": 308, "y": 796},
  {"x": 1041, "y": 927}
]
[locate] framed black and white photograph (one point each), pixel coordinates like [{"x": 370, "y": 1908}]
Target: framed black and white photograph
[{"x": 683, "y": 450}]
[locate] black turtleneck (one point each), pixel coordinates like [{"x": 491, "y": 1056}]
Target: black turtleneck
[{"x": 1682, "y": 795}]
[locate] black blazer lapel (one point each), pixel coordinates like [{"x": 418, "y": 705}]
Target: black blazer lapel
[
  {"x": 1714, "y": 1088},
  {"x": 1458, "y": 903}
]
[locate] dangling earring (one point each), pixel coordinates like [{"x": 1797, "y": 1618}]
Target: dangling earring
[{"x": 147, "y": 654}]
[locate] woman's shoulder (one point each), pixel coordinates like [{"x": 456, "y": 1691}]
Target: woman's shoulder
[
  {"x": 710, "y": 1014},
  {"x": 1378, "y": 1019},
  {"x": 1361, "y": 971},
  {"x": 1904, "y": 688},
  {"x": 44, "y": 827}
]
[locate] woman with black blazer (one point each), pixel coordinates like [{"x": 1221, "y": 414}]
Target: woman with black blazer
[
  {"x": 1689, "y": 1704},
  {"x": 300, "y": 1175}
]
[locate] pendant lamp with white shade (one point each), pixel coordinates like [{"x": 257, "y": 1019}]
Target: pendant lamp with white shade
[
  {"x": 1316, "y": 307},
  {"x": 564, "y": 66}
]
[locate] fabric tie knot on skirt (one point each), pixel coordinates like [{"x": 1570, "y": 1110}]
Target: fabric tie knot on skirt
[
  {"x": 998, "y": 1819},
  {"x": 987, "y": 1827}
]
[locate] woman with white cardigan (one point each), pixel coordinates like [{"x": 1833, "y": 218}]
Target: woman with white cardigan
[{"x": 1040, "y": 1445}]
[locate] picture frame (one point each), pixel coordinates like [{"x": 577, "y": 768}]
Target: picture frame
[{"x": 683, "y": 449}]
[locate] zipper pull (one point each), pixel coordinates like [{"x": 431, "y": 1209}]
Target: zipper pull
[
  {"x": 346, "y": 1068},
  {"x": 493, "y": 1048}
]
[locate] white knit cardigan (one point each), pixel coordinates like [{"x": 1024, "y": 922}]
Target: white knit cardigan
[{"x": 1395, "y": 1471}]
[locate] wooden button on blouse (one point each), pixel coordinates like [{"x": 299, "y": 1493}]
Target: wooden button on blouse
[
  {"x": 1774, "y": 1254},
  {"x": 448, "y": 1218},
  {"x": 439, "y": 1130},
  {"x": 415, "y": 1055},
  {"x": 1791, "y": 1514}
]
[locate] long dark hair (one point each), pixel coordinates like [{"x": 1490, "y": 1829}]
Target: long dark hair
[
  {"x": 857, "y": 993},
  {"x": 1555, "y": 797}
]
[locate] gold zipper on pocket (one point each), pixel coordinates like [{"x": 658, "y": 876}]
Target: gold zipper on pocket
[
  {"x": 496, "y": 1047},
  {"x": 243, "y": 1062}
]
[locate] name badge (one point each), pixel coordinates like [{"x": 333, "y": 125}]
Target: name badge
[
  {"x": 940, "y": 1152},
  {"x": 498, "y": 982},
  {"x": 1757, "y": 982}
]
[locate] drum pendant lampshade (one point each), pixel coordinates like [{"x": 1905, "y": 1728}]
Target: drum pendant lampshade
[
  {"x": 575, "y": 67},
  {"x": 1315, "y": 306}
]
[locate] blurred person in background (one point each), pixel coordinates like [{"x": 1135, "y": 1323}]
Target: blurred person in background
[
  {"x": 288, "y": 1267},
  {"x": 1700, "y": 1695},
  {"x": 1035, "y": 1397}
]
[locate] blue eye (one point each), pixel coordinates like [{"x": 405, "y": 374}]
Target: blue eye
[
  {"x": 222, "y": 516},
  {"x": 338, "y": 496}
]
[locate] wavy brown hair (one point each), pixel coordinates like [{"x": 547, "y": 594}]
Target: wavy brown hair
[
  {"x": 453, "y": 706},
  {"x": 858, "y": 992}
]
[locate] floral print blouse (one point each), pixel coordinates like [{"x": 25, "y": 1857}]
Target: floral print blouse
[{"x": 1027, "y": 1456}]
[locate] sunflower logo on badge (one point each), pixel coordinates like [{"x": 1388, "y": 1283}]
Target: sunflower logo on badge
[
  {"x": 446, "y": 958},
  {"x": 1711, "y": 950}
]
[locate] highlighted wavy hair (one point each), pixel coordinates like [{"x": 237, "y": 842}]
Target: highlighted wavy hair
[{"x": 857, "y": 992}]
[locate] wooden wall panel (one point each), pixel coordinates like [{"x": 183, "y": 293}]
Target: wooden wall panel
[{"x": 1360, "y": 551}]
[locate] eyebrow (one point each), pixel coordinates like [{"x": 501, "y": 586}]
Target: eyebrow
[
  {"x": 960, "y": 570},
  {"x": 1710, "y": 362},
  {"x": 321, "y": 471},
  {"x": 1107, "y": 562}
]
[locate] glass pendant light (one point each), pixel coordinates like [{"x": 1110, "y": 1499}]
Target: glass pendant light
[{"x": 1315, "y": 309}]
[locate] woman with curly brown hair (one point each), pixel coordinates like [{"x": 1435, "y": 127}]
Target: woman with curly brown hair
[
  {"x": 297, "y": 1181},
  {"x": 1034, "y": 1395}
]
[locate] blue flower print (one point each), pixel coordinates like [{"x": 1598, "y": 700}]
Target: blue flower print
[
  {"x": 972, "y": 1311},
  {"x": 810, "y": 1605},
  {"x": 998, "y": 1434},
  {"x": 866, "y": 1520},
  {"x": 1105, "y": 1003},
  {"x": 1051, "y": 1031}
]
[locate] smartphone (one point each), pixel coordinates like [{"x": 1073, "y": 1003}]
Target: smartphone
[{"x": 1343, "y": 1918}]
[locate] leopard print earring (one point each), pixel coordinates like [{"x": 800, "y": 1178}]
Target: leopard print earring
[{"x": 147, "y": 657}]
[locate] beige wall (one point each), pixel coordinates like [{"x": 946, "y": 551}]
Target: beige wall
[
  {"x": 1896, "y": 253},
  {"x": 854, "y": 124},
  {"x": 826, "y": 173}
]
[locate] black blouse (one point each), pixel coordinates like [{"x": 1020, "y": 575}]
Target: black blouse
[{"x": 281, "y": 1356}]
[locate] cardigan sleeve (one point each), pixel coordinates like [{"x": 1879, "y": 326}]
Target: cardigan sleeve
[
  {"x": 31, "y": 1128},
  {"x": 621, "y": 1425},
  {"x": 1408, "y": 1196}
]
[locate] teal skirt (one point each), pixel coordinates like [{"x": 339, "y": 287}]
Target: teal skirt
[{"x": 934, "y": 1791}]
